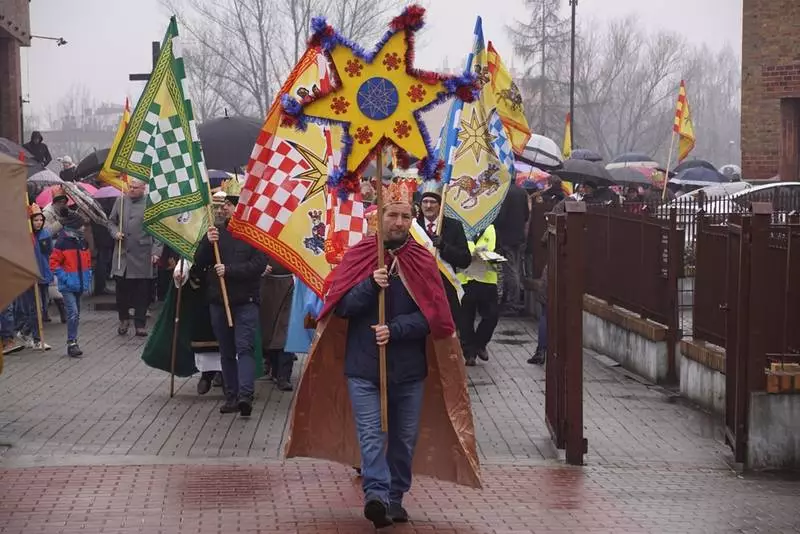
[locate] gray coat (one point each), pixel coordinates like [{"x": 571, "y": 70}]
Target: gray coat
[{"x": 138, "y": 247}]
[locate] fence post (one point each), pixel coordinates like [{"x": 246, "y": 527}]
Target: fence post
[
  {"x": 673, "y": 268},
  {"x": 759, "y": 297},
  {"x": 573, "y": 325}
]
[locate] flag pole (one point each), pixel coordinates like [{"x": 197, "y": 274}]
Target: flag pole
[
  {"x": 381, "y": 295},
  {"x": 218, "y": 258},
  {"x": 175, "y": 327},
  {"x": 121, "y": 218},
  {"x": 669, "y": 163}
]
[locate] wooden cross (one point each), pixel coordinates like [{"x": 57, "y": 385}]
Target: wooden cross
[{"x": 144, "y": 77}]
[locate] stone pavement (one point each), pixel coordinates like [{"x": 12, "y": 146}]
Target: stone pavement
[{"x": 97, "y": 445}]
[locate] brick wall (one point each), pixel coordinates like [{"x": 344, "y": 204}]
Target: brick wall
[
  {"x": 770, "y": 72},
  {"x": 10, "y": 90}
]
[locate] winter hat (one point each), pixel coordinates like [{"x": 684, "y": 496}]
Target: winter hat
[
  {"x": 431, "y": 189},
  {"x": 58, "y": 193},
  {"x": 34, "y": 210}
]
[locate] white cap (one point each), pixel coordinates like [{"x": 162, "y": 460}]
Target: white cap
[{"x": 66, "y": 160}]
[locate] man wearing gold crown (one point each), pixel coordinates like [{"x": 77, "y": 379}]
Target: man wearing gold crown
[{"x": 337, "y": 410}]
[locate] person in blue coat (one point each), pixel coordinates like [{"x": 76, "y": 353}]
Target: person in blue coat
[{"x": 42, "y": 248}]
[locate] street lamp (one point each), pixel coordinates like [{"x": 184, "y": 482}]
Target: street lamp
[
  {"x": 574, "y": 4},
  {"x": 60, "y": 41}
]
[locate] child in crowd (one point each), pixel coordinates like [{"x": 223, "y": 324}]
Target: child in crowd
[
  {"x": 71, "y": 263},
  {"x": 42, "y": 248}
]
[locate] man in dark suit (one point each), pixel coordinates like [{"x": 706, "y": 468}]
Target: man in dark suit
[{"x": 449, "y": 239}]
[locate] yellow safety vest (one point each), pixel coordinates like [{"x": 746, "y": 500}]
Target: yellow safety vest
[{"x": 488, "y": 240}]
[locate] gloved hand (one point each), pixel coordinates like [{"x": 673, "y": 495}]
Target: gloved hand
[{"x": 437, "y": 241}]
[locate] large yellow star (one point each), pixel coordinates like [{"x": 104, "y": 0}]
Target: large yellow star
[
  {"x": 474, "y": 135},
  {"x": 317, "y": 174},
  {"x": 377, "y": 100}
]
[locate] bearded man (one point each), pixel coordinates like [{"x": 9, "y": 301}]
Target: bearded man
[{"x": 423, "y": 362}]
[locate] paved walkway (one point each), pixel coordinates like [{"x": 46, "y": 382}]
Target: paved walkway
[{"x": 97, "y": 445}]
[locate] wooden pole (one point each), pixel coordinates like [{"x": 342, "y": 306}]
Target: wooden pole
[
  {"x": 669, "y": 163},
  {"x": 175, "y": 327},
  {"x": 382, "y": 297},
  {"x": 440, "y": 219},
  {"x": 121, "y": 218}
]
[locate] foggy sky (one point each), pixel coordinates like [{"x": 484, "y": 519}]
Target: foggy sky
[{"x": 108, "y": 39}]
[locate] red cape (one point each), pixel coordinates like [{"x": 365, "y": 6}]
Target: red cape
[{"x": 415, "y": 261}]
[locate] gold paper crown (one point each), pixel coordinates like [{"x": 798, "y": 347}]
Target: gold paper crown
[
  {"x": 232, "y": 187},
  {"x": 399, "y": 192},
  {"x": 34, "y": 209}
]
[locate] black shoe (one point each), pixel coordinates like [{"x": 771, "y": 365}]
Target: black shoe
[
  {"x": 73, "y": 350},
  {"x": 375, "y": 511},
  {"x": 537, "y": 358},
  {"x": 229, "y": 407},
  {"x": 217, "y": 381},
  {"x": 203, "y": 385},
  {"x": 245, "y": 408},
  {"x": 122, "y": 329},
  {"x": 483, "y": 354},
  {"x": 470, "y": 362},
  {"x": 284, "y": 385},
  {"x": 141, "y": 332},
  {"x": 397, "y": 513}
]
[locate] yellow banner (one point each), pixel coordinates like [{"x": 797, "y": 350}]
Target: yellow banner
[
  {"x": 509, "y": 102},
  {"x": 108, "y": 175}
]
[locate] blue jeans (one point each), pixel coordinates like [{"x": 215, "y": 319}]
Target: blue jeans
[
  {"x": 386, "y": 471},
  {"x": 542, "y": 341},
  {"x": 72, "y": 303},
  {"x": 236, "y": 348},
  {"x": 7, "y": 323}
]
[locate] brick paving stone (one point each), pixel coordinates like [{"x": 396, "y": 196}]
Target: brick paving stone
[{"x": 97, "y": 445}]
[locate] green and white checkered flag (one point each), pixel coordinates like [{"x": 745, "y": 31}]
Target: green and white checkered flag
[{"x": 161, "y": 147}]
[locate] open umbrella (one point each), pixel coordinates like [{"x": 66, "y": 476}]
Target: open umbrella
[
  {"x": 228, "y": 141},
  {"x": 45, "y": 177},
  {"x": 579, "y": 171},
  {"x": 541, "y": 152},
  {"x": 529, "y": 177},
  {"x": 81, "y": 194},
  {"x": 215, "y": 177},
  {"x": 585, "y": 153},
  {"x": 698, "y": 175},
  {"x": 107, "y": 192},
  {"x": 632, "y": 159},
  {"x": 734, "y": 172},
  {"x": 91, "y": 164},
  {"x": 13, "y": 150},
  {"x": 46, "y": 196},
  {"x": 18, "y": 267},
  {"x": 692, "y": 163}
]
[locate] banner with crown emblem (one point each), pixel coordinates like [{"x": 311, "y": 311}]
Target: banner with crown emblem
[{"x": 282, "y": 206}]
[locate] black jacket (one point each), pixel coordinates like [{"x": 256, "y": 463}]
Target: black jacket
[
  {"x": 244, "y": 266},
  {"x": 68, "y": 175},
  {"x": 512, "y": 220},
  {"x": 39, "y": 151},
  {"x": 408, "y": 328},
  {"x": 454, "y": 249}
]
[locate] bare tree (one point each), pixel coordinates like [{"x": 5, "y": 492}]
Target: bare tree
[
  {"x": 206, "y": 95},
  {"x": 249, "y": 46},
  {"x": 542, "y": 41}
]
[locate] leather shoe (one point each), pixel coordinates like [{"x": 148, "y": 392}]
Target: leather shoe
[{"x": 375, "y": 511}]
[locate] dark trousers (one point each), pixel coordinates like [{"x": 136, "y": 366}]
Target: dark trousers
[
  {"x": 134, "y": 293},
  {"x": 237, "y": 348},
  {"x": 479, "y": 299},
  {"x": 281, "y": 363},
  {"x": 102, "y": 269},
  {"x": 452, "y": 301}
]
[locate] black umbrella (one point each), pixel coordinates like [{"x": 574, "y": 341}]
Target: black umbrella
[
  {"x": 585, "y": 153},
  {"x": 14, "y": 150},
  {"x": 701, "y": 175},
  {"x": 693, "y": 163},
  {"x": 580, "y": 171},
  {"x": 630, "y": 157},
  {"x": 228, "y": 141},
  {"x": 91, "y": 164},
  {"x": 631, "y": 175}
]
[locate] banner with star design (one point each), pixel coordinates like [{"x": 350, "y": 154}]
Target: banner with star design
[
  {"x": 476, "y": 150},
  {"x": 377, "y": 98},
  {"x": 282, "y": 206}
]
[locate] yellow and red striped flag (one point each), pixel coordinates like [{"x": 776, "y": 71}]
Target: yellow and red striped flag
[
  {"x": 683, "y": 124},
  {"x": 566, "y": 148}
]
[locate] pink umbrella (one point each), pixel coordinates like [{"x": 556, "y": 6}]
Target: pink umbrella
[
  {"x": 46, "y": 196},
  {"x": 107, "y": 192}
]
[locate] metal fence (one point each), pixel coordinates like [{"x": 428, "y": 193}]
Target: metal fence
[{"x": 710, "y": 282}]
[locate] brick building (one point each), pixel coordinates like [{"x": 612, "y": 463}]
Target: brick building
[
  {"x": 15, "y": 31},
  {"x": 771, "y": 89}
]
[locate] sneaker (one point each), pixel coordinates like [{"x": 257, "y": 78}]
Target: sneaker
[
  {"x": 483, "y": 354},
  {"x": 229, "y": 407},
  {"x": 41, "y": 345},
  {"x": 73, "y": 350},
  {"x": 123, "y": 327},
  {"x": 470, "y": 362},
  {"x": 141, "y": 332},
  {"x": 398, "y": 513},
  {"x": 376, "y": 512},
  {"x": 11, "y": 346},
  {"x": 245, "y": 408},
  {"x": 25, "y": 340}
]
